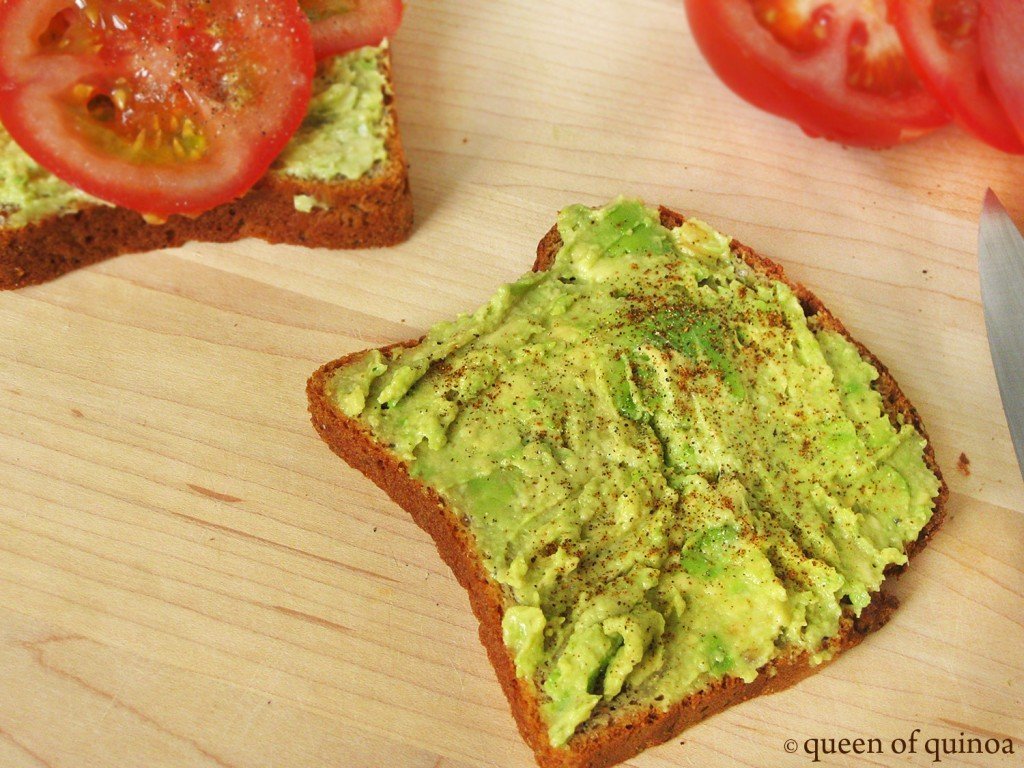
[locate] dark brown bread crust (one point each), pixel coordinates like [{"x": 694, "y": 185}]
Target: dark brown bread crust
[
  {"x": 373, "y": 211},
  {"x": 630, "y": 732}
]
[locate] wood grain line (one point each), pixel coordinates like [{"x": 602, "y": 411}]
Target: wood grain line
[
  {"x": 246, "y": 421},
  {"x": 183, "y": 459},
  {"x": 6, "y": 736},
  {"x": 214, "y": 494},
  {"x": 478, "y": 673},
  {"x": 255, "y": 512},
  {"x": 867, "y": 704},
  {"x": 95, "y": 316},
  {"x": 493, "y": 724},
  {"x": 37, "y": 649},
  {"x": 220, "y": 593},
  {"x": 408, "y": 604},
  {"x": 982, "y": 731},
  {"x": 319, "y": 621},
  {"x": 282, "y": 547}
]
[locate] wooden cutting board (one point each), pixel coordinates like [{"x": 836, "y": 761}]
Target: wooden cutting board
[{"x": 189, "y": 578}]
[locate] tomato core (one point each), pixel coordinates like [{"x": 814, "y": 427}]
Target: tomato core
[
  {"x": 131, "y": 114},
  {"x": 798, "y": 31}
]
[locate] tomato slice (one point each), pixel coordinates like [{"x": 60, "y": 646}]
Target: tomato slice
[
  {"x": 835, "y": 67},
  {"x": 941, "y": 41},
  {"x": 340, "y": 26},
  {"x": 162, "y": 106},
  {"x": 1002, "y": 51}
]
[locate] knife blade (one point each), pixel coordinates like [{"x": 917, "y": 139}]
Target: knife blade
[{"x": 1001, "y": 265}]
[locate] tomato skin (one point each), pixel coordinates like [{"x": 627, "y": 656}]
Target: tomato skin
[
  {"x": 952, "y": 68},
  {"x": 806, "y": 88},
  {"x": 157, "y": 65},
  {"x": 1002, "y": 50},
  {"x": 355, "y": 24}
]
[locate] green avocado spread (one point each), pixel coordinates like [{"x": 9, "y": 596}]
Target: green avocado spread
[
  {"x": 343, "y": 137},
  {"x": 672, "y": 472},
  {"x": 345, "y": 130},
  {"x": 28, "y": 192}
]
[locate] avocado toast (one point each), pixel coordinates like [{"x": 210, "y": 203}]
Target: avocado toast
[
  {"x": 667, "y": 476},
  {"x": 342, "y": 182}
]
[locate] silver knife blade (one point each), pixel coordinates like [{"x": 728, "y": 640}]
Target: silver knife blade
[{"x": 1001, "y": 264}]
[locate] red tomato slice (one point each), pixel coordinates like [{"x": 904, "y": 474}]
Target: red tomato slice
[
  {"x": 941, "y": 41},
  {"x": 1002, "y": 51},
  {"x": 340, "y": 26},
  {"x": 162, "y": 106},
  {"x": 835, "y": 67}
]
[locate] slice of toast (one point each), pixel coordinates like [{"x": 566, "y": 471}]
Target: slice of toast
[
  {"x": 622, "y": 728},
  {"x": 372, "y": 210}
]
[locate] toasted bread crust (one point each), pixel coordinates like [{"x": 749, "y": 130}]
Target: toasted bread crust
[
  {"x": 628, "y": 733},
  {"x": 373, "y": 211}
]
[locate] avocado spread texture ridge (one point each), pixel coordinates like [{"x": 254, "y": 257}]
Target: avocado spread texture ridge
[{"x": 673, "y": 473}]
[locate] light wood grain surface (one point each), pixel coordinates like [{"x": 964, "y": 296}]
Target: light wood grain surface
[{"x": 189, "y": 578}]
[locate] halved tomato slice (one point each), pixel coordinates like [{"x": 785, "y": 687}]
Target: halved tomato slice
[
  {"x": 340, "y": 26},
  {"x": 1002, "y": 51},
  {"x": 941, "y": 41},
  {"x": 162, "y": 106},
  {"x": 835, "y": 67}
]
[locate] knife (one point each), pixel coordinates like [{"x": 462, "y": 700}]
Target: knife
[{"x": 1001, "y": 264}]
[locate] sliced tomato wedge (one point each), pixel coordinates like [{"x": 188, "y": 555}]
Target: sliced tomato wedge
[
  {"x": 941, "y": 41},
  {"x": 835, "y": 67},
  {"x": 1002, "y": 50},
  {"x": 340, "y": 26},
  {"x": 162, "y": 106}
]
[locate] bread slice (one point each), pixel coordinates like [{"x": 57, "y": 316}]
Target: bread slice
[
  {"x": 371, "y": 211},
  {"x": 609, "y": 736}
]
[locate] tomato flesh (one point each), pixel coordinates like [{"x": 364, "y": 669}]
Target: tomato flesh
[
  {"x": 941, "y": 40},
  {"x": 162, "y": 106},
  {"x": 1001, "y": 33},
  {"x": 837, "y": 68},
  {"x": 340, "y": 26},
  {"x": 955, "y": 20}
]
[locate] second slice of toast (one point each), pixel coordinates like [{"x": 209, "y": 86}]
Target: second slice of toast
[{"x": 367, "y": 208}]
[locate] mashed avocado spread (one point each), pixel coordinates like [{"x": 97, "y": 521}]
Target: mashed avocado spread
[
  {"x": 346, "y": 126},
  {"x": 673, "y": 473},
  {"x": 342, "y": 137},
  {"x": 28, "y": 192}
]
